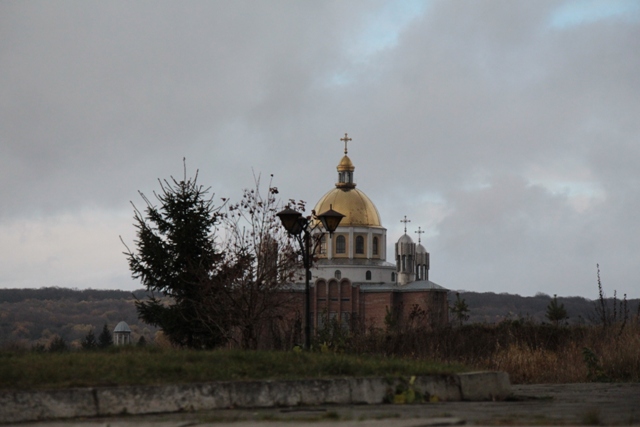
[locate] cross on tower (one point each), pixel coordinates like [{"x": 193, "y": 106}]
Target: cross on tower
[
  {"x": 419, "y": 233},
  {"x": 345, "y": 139},
  {"x": 405, "y": 220}
]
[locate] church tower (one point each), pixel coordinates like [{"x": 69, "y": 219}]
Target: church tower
[
  {"x": 405, "y": 257},
  {"x": 422, "y": 259}
]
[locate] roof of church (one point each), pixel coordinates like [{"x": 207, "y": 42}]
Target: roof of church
[
  {"x": 346, "y": 164},
  {"x": 405, "y": 238},
  {"x": 365, "y": 262},
  {"x": 357, "y": 208},
  {"x": 418, "y": 285}
]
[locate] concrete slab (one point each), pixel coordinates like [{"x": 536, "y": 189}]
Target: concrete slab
[
  {"x": 21, "y": 406},
  {"x": 477, "y": 386},
  {"x": 48, "y": 404}
]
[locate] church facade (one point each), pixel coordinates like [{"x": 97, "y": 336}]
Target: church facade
[{"x": 352, "y": 281}]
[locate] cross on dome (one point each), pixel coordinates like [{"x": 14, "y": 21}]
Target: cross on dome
[
  {"x": 345, "y": 139},
  {"x": 419, "y": 232},
  {"x": 405, "y": 220}
]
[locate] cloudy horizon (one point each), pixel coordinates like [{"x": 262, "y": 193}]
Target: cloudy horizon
[{"x": 507, "y": 130}]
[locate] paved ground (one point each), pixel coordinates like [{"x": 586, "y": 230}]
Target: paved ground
[{"x": 574, "y": 404}]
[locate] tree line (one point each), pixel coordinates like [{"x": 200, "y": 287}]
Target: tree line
[{"x": 57, "y": 293}]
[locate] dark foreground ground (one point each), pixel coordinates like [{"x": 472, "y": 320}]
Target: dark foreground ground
[{"x": 560, "y": 404}]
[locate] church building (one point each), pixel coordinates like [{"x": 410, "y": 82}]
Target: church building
[{"x": 352, "y": 279}]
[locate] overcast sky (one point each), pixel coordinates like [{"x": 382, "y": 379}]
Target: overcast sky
[{"x": 508, "y": 130}]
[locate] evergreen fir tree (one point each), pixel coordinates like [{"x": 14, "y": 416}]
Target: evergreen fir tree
[
  {"x": 556, "y": 313},
  {"x": 204, "y": 291},
  {"x": 460, "y": 309},
  {"x": 105, "y": 339},
  {"x": 89, "y": 341},
  {"x": 177, "y": 257},
  {"x": 57, "y": 345}
]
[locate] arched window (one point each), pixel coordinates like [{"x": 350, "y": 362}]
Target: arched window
[
  {"x": 360, "y": 245},
  {"x": 337, "y": 274},
  {"x": 375, "y": 246},
  {"x": 341, "y": 245},
  {"x": 323, "y": 244},
  {"x": 368, "y": 275}
]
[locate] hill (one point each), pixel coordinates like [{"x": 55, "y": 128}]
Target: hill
[
  {"x": 36, "y": 316},
  {"x": 489, "y": 307}
]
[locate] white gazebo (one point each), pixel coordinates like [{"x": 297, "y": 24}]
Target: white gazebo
[{"x": 122, "y": 334}]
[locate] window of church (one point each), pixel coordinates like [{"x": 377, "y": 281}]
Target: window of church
[
  {"x": 341, "y": 245},
  {"x": 375, "y": 246},
  {"x": 360, "y": 245},
  {"x": 323, "y": 244},
  {"x": 337, "y": 274},
  {"x": 393, "y": 277},
  {"x": 368, "y": 275},
  {"x": 321, "y": 319},
  {"x": 345, "y": 319}
]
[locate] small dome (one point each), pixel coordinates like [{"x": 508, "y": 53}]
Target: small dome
[
  {"x": 420, "y": 249},
  {"x": 346, "y": 164},
  {"x": 405, "y": 239},
  {"x": 122, "y": 327},
  {"x": 357, "y": 208}
]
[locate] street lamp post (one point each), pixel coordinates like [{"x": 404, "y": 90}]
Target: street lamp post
[{"x": 301, "y": 228}]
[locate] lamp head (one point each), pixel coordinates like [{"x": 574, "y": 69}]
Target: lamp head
[
  {"x": 330, "y": 219},
  {"x": 290, "y": 219}
]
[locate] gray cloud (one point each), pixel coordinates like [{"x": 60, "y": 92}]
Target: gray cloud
[{"x": 510, "y": 138}]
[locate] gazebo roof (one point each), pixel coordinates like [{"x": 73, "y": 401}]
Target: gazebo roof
[{"x": 122, "y": 327}]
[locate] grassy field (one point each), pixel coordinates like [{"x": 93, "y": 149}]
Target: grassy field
[
  {"x": 529, "y": 352},
  {"x": 148, "y": 366}
]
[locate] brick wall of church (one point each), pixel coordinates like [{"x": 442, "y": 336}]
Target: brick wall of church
[
  {"x": 340, "y": 300},
  {"x": 374, "y": 306},
  {"x": 434, "y": 304},
  {"x": 334, "y": 299}
]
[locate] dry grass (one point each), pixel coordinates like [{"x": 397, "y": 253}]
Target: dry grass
[
  {"x": 529, "y": 352},
  {"x": 597, "y": 355},
  {"x": 527, "y": 365}
]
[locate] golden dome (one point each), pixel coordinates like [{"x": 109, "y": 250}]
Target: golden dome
[
  {"x": 357, "y": 208},
  {"x": 346, "y": 164}
]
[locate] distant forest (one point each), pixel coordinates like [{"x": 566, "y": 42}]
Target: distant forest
[
  {"x": 37, "y": 316},
  {"x": 489, "y": 307}
]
